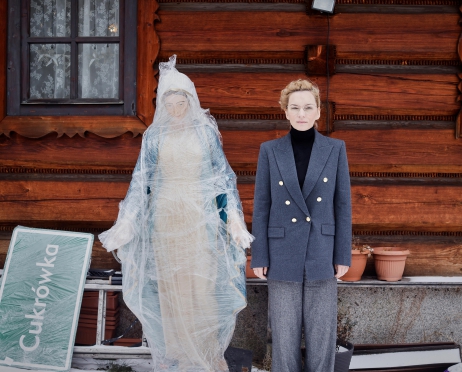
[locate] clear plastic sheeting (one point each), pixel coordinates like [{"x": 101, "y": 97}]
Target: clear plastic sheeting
[{"x": 181, "y": 234}]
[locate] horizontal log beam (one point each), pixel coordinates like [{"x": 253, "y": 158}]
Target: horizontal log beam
[
  {"x": 431, "y": 67},
  {"x": 261, "y": 6},
  {"x": 50, "y": 152},
  {"x": 392, "y": 124},
  {"x": 240, "y": 68},
  {"x": 396, "y": 69},
  {"x": 181, "y": 32},
  {"x": 352, "y": 94},
  {"x": 374, "y": 150},
  {"x": 3, "y": 63},
  {"x": 423, "y": 148},
  {"x": 383, "y": 205},
  {"x": 430, "y": 254},
  {"x": 100, "y": 258}
]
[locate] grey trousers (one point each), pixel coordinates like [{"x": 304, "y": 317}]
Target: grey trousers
[{"x": 312, "y": 304}]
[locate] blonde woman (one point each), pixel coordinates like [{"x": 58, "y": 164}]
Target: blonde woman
[{"x": 302, "y": 228}]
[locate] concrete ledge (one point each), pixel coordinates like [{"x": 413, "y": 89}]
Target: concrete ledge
[{"x": 406, "y": 281}]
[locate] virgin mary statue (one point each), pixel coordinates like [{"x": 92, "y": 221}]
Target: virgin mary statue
[{"x": 180, "y": 234}]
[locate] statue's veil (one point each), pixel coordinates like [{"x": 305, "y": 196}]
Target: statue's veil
[{"x": 183, "y": 272}]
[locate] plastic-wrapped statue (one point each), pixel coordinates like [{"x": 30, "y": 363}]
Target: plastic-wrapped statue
[{"x": 181, "y": 235}]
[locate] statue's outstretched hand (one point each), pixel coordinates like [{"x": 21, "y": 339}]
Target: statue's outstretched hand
[
  {"x": 117, "y": 236},
  {"x": 238, "y": 230}
]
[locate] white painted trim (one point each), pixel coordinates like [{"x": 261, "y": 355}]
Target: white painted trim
[
  {"x": 405, "y": 359},
  {"x": 83, "y": 276},
  {"x": 78, "y": 300},
  {"x": 119, "y": 350},
  {"x": 7, "y": 263}
]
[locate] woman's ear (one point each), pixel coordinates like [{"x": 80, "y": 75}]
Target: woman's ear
[
  {"x": 287, "y": 114},
  {"x": 319, "y": 113}
]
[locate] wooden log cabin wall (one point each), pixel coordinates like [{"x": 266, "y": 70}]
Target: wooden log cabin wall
[{"x": 390, "y": 77}]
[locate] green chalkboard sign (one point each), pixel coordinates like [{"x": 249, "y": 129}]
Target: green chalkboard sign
[{"x": 40, "y": 297}]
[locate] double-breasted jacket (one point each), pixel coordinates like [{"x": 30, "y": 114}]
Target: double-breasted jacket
[{"x": 306, "y": 229}]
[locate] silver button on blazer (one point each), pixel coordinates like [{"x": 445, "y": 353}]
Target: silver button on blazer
[{"x": 287, "y": 248}]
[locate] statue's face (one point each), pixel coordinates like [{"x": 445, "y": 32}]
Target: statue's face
[
  {"x": 302, "y": 111},
  {"x": 177, "y": 105}
]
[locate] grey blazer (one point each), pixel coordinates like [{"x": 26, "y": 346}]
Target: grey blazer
[{"x": 302, "y": 230}]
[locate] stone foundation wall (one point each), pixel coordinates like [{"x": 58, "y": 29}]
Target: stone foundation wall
[{"x": 369, "y": 314}]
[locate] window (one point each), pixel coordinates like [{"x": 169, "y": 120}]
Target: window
[{"x": 72, "y": 57}]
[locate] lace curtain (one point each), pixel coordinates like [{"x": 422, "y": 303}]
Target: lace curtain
[{"x": 50, "y": 63}]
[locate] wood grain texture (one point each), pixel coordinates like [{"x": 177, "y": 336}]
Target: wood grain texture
[
  {"x": 352, "y": 93},
  {"x": 400, "y": 147},
  {"x": 55, "y": 190},
  {"x": 98, "y": 210},
  {"x": 396, "y": 33},
  {"x": 418, "y": 208},
  {"x": 64, "y": 152},
  {"x": 429, "y": 255},
  {"x": 148, "y": 49},
  {"x": 395, "y": 94},
  {"x": 258, "y": 93},
  {"x": 291, "y": 31},
  {"x": 100, "y": 258},
  {"x": 103, "y": 126},
  {"x": 397, "y": 150},
  {"x": 438, "y": 208},
  {"x": 377, "y": 206},
  {"x": 243, "y": 31},
  {"x": 3, "y": 52}
]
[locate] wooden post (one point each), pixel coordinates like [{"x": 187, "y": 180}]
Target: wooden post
[{"x": 148, "y": 50}]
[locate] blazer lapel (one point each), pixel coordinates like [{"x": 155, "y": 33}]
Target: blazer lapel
[
  {"x": 286, "y": 163},
  {"x": 319, "y": 155}
]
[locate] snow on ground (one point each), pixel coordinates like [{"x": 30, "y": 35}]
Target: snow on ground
[
  {"x": 91, "y": 365},
  {"x": 139, "y": 365}
]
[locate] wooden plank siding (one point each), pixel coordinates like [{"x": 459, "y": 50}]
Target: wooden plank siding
[
  {"x": 392, "y": 150},
  {"x": 3, "y": 45},
  {"x": 393, "y": 98},
  {"x": 147, "y": 55},
  {"x": 416, "y": 207},
  {"x": 352, "y": 93},
  {"x": 400, "y": 208},
  {"x": 355, "y": 35}
]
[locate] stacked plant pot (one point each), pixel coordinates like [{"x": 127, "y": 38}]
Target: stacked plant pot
[
  {"x": 86, "y": 330},
  {"x": 389, "y": 263}
]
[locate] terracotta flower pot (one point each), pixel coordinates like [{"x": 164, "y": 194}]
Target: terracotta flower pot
[
  {"x": 248, "y": 271},
  {"x": 358, "y": 264},
  {"x": 389, "y": 263}
]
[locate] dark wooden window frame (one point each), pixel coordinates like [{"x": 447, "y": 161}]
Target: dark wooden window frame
[{"x": 18, "y": 55}]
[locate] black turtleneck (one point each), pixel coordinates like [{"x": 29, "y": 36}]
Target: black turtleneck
[{"x": 302, "y": 144}]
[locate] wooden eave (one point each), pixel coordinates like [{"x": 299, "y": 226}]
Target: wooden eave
[{"x": 103, "y": 126}]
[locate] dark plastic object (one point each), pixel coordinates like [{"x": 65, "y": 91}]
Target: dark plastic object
[{"x": 239, "y": 360}]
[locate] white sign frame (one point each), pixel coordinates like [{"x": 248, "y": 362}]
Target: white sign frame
[{"x": 78, "y": 294}]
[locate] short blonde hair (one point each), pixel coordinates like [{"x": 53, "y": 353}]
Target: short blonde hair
[{"x": 298, "y": 86}]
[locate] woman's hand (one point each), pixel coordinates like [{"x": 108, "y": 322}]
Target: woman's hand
[
  {"x": 260, "y": 272},
  {"x": 341, "y": 270}
]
